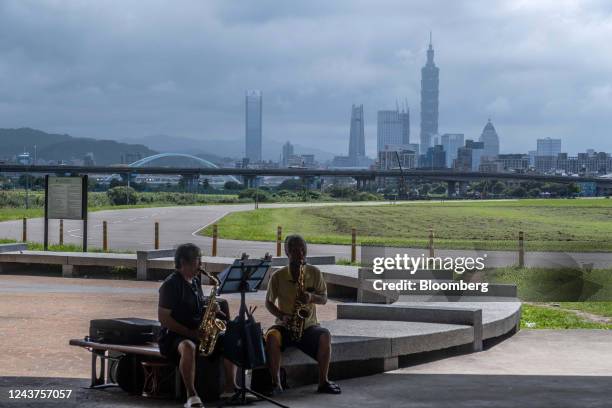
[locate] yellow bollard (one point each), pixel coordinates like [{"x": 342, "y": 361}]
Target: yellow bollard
[
  {"x": 214, "y": 243},
  {"x": 156, "y": 235},
  {"x": 353, "y": 244},
  {"x": 104, "y": 236},
  {"x": 521, "y": 249}
]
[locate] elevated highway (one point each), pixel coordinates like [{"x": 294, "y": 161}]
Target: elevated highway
[{"x": 358, "y": 174}]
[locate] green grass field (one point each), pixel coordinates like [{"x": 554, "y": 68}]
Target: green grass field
[
  {"x": 541, "y": 317},
  {"x": 550, "y": 225},
  {"x": 557, "y": 285}
]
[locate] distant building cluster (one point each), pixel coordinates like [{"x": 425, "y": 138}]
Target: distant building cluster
[{"x": 394, "y": 148}]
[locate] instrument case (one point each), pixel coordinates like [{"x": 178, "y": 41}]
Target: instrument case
[{"x": 129, "y": 330}]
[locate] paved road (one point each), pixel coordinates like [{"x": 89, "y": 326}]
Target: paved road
[
  {"x": 535, "y": 368},
  {"x": 133, "y": 229}
]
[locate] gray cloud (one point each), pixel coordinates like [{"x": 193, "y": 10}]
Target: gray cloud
[{"x": 118, "y": 69}]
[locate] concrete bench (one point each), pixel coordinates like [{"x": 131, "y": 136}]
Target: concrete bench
[
  {"x": 69, "y": 261},
  {"x": 151, "y": 263},
  {"x": 13, "y": 247},
  {"x": 430, "y": 314}
]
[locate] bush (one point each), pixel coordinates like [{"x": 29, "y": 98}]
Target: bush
[
  {"x": 121, "y": 194},
  {"x": 232, "y": 185},
  {"x": 251, "y": 192}
]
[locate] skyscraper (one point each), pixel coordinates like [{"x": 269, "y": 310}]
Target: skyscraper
[
  {"x": 287, "y": 153},
  {"x": 357, "y": 138},
  {"x": 253, "y": 103},
  {"x": 549, "y": 147},
  {"x": 491, "y": 140},
  {"x": 429, "y": 100},
  {"x": 392, "y": 128},
  {"x": 451, "y": 142},
  {"x": 404, "y": 117}
]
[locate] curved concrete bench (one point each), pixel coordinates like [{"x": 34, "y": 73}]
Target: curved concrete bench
[{"x": 369, "y": 338}]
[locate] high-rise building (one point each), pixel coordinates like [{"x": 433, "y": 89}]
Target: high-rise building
[
  {"x": 287, "y": 153},
  {"x": 388, "y": 159},
  {"x": 392, "y": 128},
  {"x": 469, "y": 156},
  {"x": 404, "y": 117},
  {"x": 451, "y": 142},
  {"x": 357, "y": 137},
  {"x": 253, "y": 105},
  {"x": 435, "y": 158},
  {"x": 430, "y": 75},
  {"x": 491, "y": 141},
  {"x": 548, "y": 147}
]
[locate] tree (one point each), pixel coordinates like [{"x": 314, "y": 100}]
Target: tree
[
  {"x": 232, "y": 185},
  {"x": 498, "y": 187},
  {"x": 121, "y": 195},
  {"x": 291, "y": 184}
]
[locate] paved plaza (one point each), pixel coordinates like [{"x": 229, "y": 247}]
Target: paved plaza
[{"x": 535, "y": 368}]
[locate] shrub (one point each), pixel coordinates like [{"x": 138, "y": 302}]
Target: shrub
[{"x": 120, "y": 195}]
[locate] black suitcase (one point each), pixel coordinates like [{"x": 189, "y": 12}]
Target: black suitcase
[{"x": 129, "y": 330}]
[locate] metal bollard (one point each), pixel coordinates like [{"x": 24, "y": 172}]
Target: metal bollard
[
  {"x": 353, "y": 245},
  {"x": 279, "y": 237},
  {"x": 156, "y": 235},
  {"x": 521, "y": 249},
  {"x": 61, "y": 232},
  {"x": 24, "y": 232},
  {"x": 431, "y": 243},
  {"x": 214, "y": 243},
  {"x": 104, "y": 236}
]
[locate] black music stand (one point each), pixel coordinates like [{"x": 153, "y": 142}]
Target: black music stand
[{"x": 245, "y": 275}]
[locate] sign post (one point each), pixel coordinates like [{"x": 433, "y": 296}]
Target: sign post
[{"x": 66, "y": 199}]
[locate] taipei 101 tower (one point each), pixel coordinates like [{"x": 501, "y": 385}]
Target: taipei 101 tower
[{"x": 429, "y": 100}]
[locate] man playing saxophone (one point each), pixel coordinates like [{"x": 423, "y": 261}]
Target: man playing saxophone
[
  {"x": 293, "y": 292},
  {"x": 180, "y": 311}
]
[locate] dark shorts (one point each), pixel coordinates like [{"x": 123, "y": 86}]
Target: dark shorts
[
  {"x": 169, "y": 343},
  {"x": 309, "y": 343}
]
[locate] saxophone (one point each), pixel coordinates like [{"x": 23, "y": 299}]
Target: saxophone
[
  {"x": 210, "y": 328},
  {"x": 301, "y": 311}
]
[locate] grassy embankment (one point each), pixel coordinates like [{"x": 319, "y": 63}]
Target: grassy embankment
[
  {"x": 568, "y": 298},
  {"x": 549, "y": 225}
]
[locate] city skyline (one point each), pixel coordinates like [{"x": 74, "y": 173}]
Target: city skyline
[{"x": 140, "y": 81}]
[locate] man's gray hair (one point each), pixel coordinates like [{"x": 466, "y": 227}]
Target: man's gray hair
[{"x": 292, "y": 240}]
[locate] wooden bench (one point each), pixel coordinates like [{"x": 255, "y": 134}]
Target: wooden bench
[{"x": 106, "y": 356}]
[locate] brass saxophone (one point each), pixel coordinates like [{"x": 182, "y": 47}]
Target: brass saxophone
[
  {"x": 301, "y": 311},
  {"x": 210, "y": 328}
]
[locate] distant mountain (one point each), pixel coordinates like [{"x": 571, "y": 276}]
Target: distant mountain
[
  {"x": 215, "y": 150},
  {"x": 64, "y": 147}
]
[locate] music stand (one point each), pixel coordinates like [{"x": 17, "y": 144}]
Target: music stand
[{"x": 245, "y": 275}]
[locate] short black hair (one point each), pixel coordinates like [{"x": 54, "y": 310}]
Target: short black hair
[
  {"x": 186, "y": 253},
  {"x": 293, "y": 240}
]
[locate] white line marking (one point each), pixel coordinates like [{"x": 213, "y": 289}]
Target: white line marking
[{"x": 195, "y": 233}]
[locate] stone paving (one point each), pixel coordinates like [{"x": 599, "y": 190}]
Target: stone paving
[{"x": 38, "y": 315}]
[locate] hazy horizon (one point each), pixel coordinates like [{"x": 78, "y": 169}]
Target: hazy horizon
[{"x": 120, "y": 70}]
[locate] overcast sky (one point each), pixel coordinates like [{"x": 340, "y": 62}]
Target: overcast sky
[{"x": 117, "y": 69}]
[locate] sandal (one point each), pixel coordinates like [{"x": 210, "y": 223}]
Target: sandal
[
  {"x": 194, "y": 402},
  {"x": 329, "y": 388}
]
